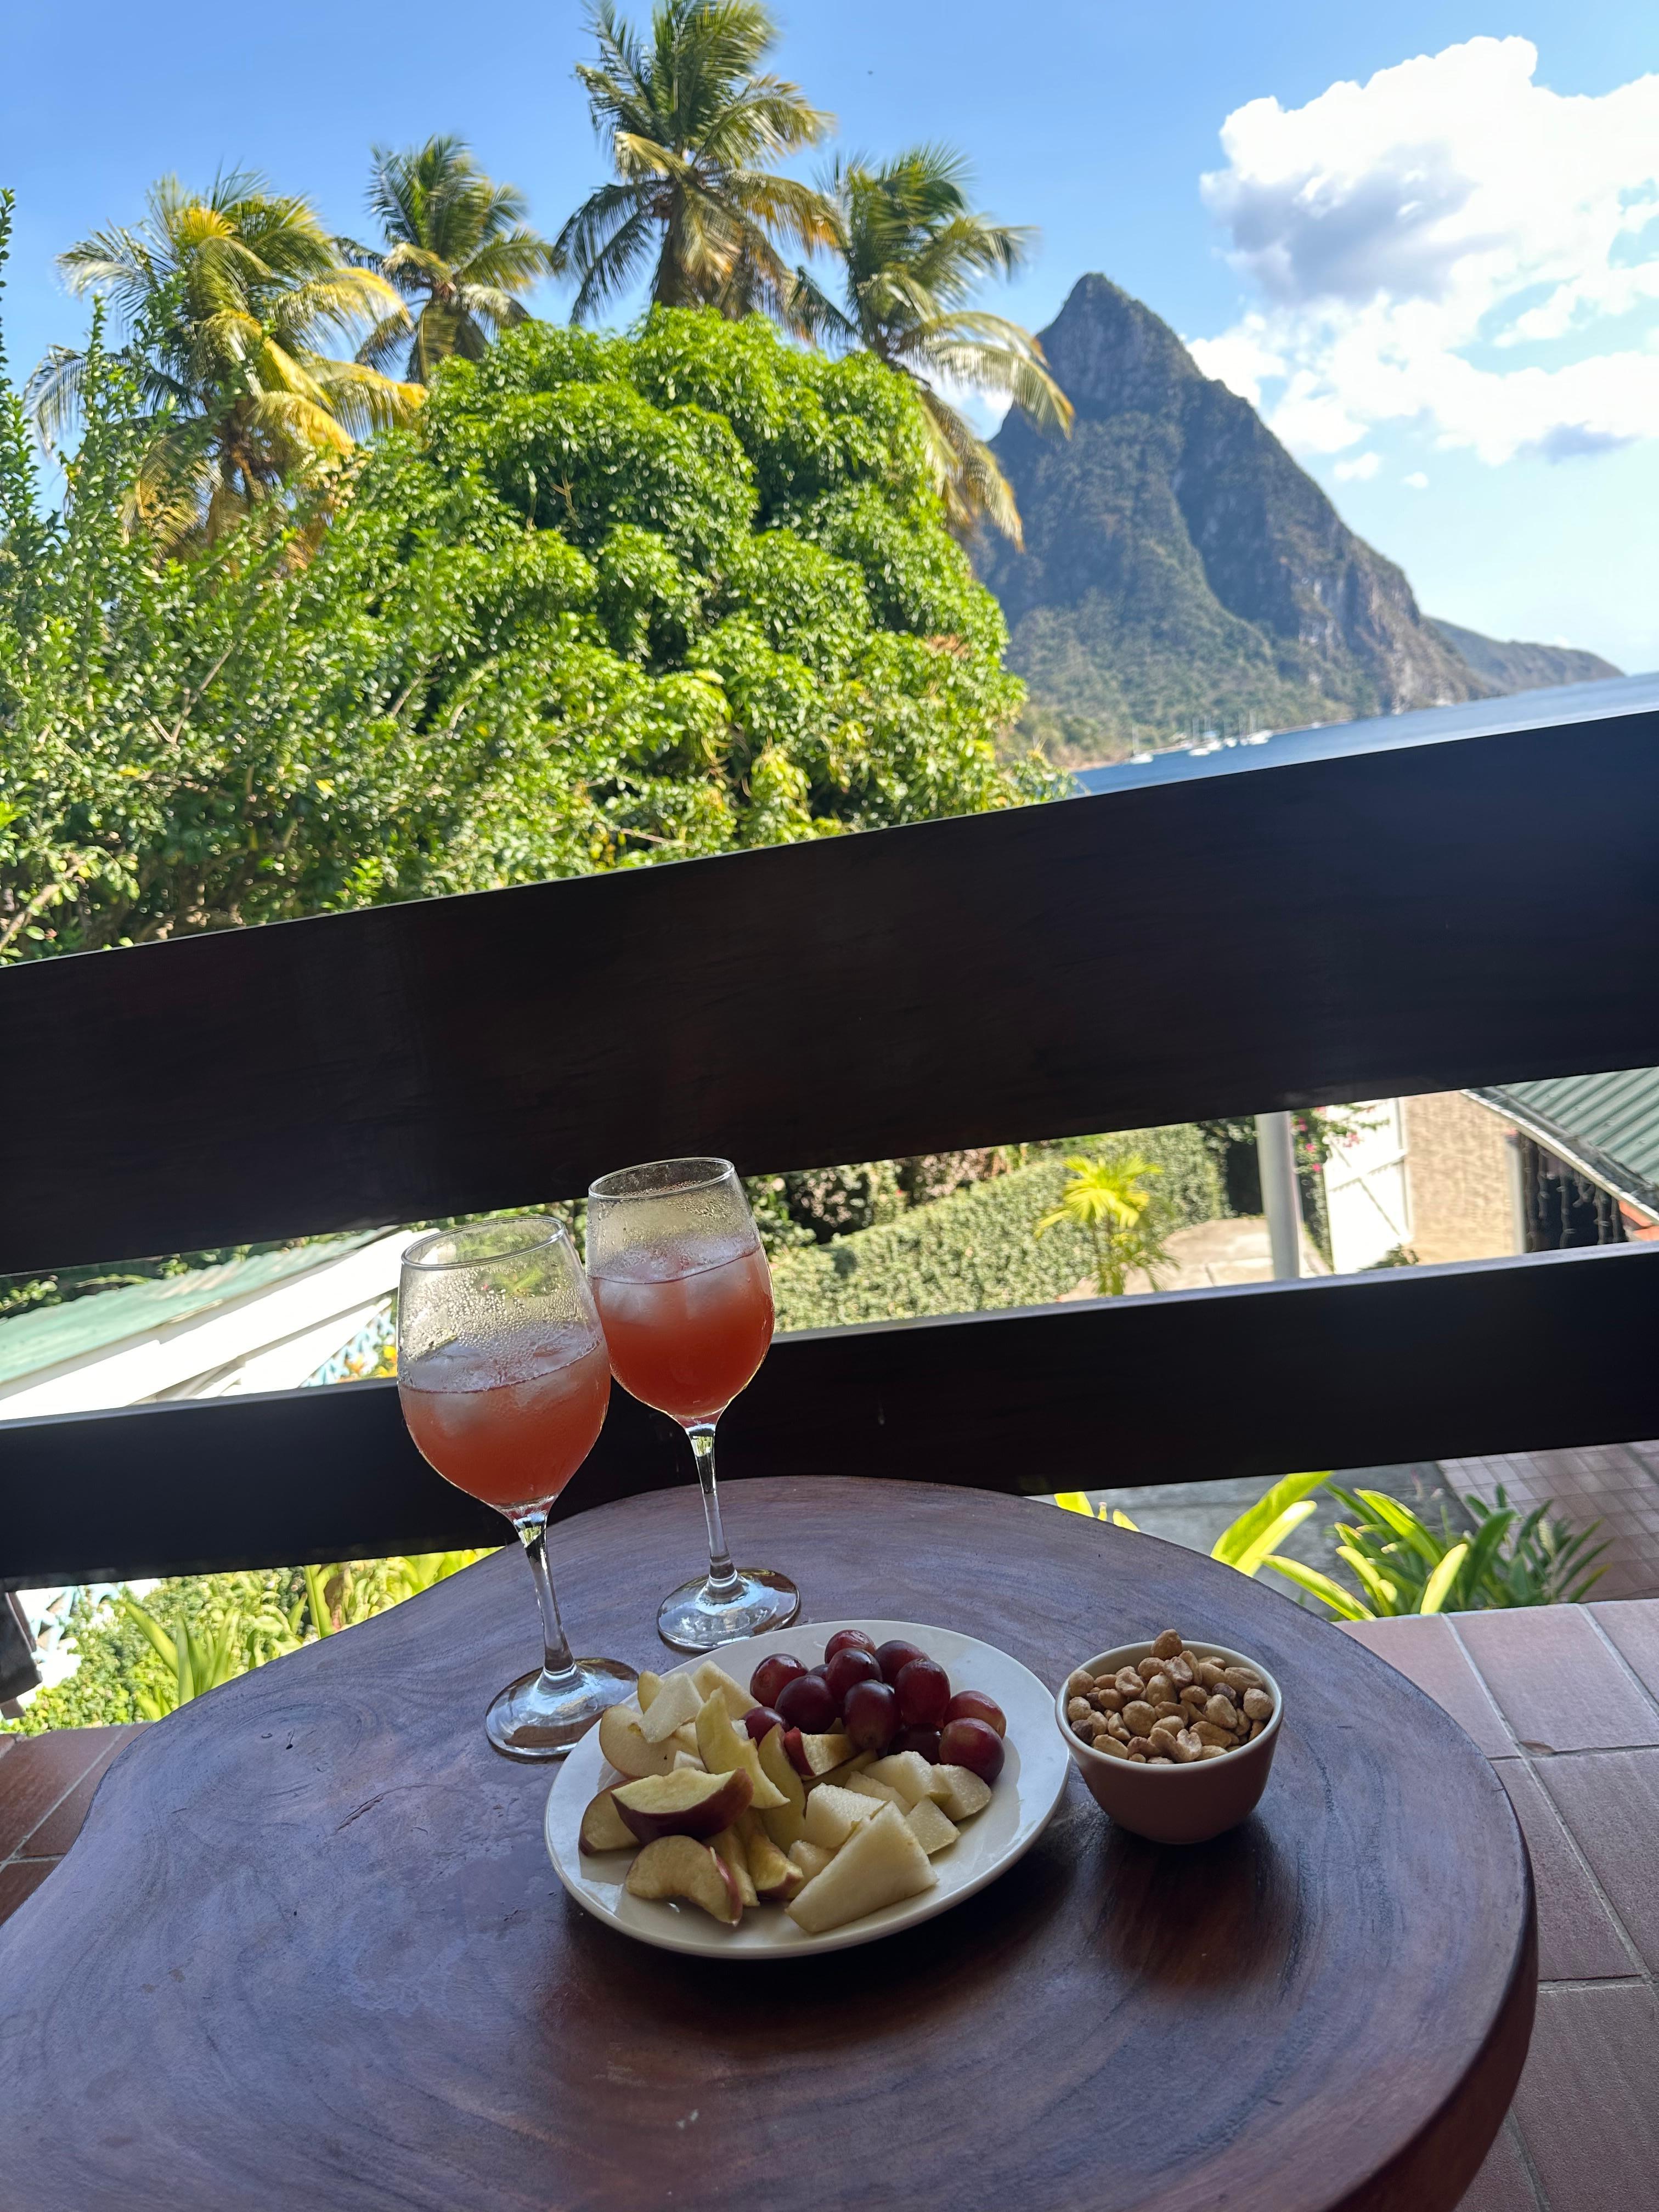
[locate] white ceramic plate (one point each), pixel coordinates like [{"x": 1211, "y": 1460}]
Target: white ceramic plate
[{"x": 1027, "y": 1791}]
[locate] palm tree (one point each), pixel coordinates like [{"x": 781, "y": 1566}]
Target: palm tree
[
  {"x": 911, "y": 252},
  {"x": 695, "y": 130},
  {"x": 231, "y": 298},
  {"x": 1107, "y": 1199},
  {"x": 457, "y": 246}
]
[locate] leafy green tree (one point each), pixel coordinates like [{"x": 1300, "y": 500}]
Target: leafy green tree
[
  {"x": 695, "y": 129},
  {"x": 1110, "y": 1201},
  {"x": 231, "y": 298},
  {"x": 605, "y": 601},
  {"x": 458, "y": 251},
  {"x": 911, "y": 252}
]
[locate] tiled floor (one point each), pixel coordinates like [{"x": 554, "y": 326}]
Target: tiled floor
[
  {"x": 1617, "y": 1484},
  {"x": 1565, "y": 1702}
]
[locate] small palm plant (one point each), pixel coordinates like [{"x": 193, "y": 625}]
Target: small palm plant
[
  {"x": 696, "y": 129},
  {"x": 456, "y": 248},
  {"x": 1109, "y": 1201},
  {"x": 911, "y": 252}
]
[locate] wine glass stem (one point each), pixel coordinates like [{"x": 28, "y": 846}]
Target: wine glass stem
[
  {"x": 555, "y": 1651},
  {"x": 722, "y": 1575}
]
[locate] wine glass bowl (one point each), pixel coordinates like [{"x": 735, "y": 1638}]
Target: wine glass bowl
[
  {"x": 504, "y": 1378},
  {"x": 685, "y": 1297}
]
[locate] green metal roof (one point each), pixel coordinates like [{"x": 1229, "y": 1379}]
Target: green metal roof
[
  {"x": 32, "y": 1342},
  {"x": 1608, "y": 1123}
]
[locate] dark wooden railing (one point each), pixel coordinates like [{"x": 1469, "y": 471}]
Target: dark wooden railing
[{"x": 1381, "y": 923}]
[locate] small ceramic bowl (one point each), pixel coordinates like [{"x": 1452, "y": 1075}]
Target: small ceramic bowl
[{"x": 1175, "y": 1804}]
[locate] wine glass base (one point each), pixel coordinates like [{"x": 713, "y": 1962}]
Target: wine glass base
[
  {"x": 540, "y": 1716},
  {"x": 691, "y": 1619}
]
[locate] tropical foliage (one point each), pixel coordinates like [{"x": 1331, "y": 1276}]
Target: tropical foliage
[
  {"x": 609, "y": 601},
  {"x": 910, "y": 253},
  {"x": 231, "y": 300},
  {"x": 695, "y": 129},
  {"x": 1109, "y": 1201},
  {"x": 456, "y": 248}
]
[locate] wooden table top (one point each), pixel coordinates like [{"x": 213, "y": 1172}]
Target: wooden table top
[{"x": 309, "y": 1950}]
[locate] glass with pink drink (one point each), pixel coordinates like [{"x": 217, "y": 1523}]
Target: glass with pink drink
[
  {"x": 504, "y": 1379},
  {"x": 685, "y": 1296}
]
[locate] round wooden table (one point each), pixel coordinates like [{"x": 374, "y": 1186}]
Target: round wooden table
[{"x": 309, "y": 1950}]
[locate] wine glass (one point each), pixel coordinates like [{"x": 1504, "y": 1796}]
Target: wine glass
[
  {"x": 683, "y": 1291},
  {"x": 504, "y": 1379}
]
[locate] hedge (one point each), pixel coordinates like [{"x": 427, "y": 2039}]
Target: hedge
[{"x": 976, "y": 1250}]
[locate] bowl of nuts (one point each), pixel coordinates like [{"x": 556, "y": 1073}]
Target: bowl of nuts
[{"x": 1174, "y": 1739}]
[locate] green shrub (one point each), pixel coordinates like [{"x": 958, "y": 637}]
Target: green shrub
[{"x": 975, "y": 1251}]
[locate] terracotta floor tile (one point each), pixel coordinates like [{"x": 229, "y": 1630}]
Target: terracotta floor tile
[
  {"x": 1576, "y": 1941},
  {"x": 62, "y": 1824},
  {"x": 1610, "y": 1801},
  {"x": 1586, "y": 2107},
  {"x": 40, "y": 1771},
  {"x": 19, "y": 1880},
  {"x": 1424, "y": 1648},
  {"x": 1634, "y": 1627},
  {"x": 1503, "y": 2183},
  {"x": 1555, "y": 1681}
]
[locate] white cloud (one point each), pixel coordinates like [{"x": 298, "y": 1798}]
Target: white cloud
[
  {"x": 1451, "y": 245},
  {"x": 1416, "y": 481},
  {"x": 1361, "y": 466}
]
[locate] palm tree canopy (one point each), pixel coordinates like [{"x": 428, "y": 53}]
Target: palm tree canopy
[
  {"x": 912, "y": 251},
  {"x": 695, "y": 129},
  {"x": 232, "y": 299},
  {"x": 457, "y": 250}
]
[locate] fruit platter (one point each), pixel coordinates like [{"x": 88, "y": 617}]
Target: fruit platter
[{"x": 808, "y": 1790}]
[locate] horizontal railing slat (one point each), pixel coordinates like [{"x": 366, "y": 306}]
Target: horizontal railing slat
[
  {"x": 1404, "y": 1364},
  {"x": 1386, "y": 922}
]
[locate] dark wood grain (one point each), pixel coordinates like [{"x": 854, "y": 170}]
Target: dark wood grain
[
  {"x": 1387, "y": 922},
  {"x": 1494, "y": 1355},
  {"x": 308, "y": 1950}
]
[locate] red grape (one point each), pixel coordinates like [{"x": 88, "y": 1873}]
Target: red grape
[
  {"x": 808, "y": 1704},
  {"x": 924, "y": 1692},
  {"x": 975, "y": 1745},
  {"x": 897, "y": 1656},
  {"x": 848, "y": 1639},
  {"x": 974, "y": 1705},
  {"x": 769, "y": 1677},
  {"x": 850, "y": 1665},
  {"x": 926, "y": 1741},
  {"x": 760, "y": 1721},
  {"x": 872, "y": 1715}
]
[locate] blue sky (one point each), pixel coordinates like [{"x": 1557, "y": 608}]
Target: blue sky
[{"x": 1462, "y": 341}]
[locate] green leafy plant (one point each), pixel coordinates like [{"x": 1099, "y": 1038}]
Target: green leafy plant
[
  {"x": 1245, "y": 1543},
  {"x": 199, "y": 1659},
  {"x": 1107, "y": 1199}
]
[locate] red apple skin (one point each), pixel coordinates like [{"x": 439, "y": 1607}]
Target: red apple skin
[
  {"x": 848, "y": 1639},
  {"x": 975, "y": 1745},
  {"x": 926, "y": 1741},
  {"x": 974, "y": 1705},
  {"x": 716, "y": 1811},
  {"x": 795, "y": 1752}
]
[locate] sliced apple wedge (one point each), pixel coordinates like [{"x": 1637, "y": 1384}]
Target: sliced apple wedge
[
  {"x": 603, "y": 1828},
  {"x": 824, "y": 1751},
  {"x": 866, "y": 1785},
  {"x": 910, "y": 1774},
  {"x": 930, "y": 1827},
  {"x": 647, "y": 1688},
  {"x": 729, "y": 1845},
  {"x": 832, "y": 1814},
  {"x": 776, "y": 1878},
  {"x": 721, "y": 1748},
  {"x": 783, "y": 1823},
  {"x": 714, "y": 1681},
  {"x": 839, "y": 1777},
  {"x": 677, "y": 1701},
  {"x": 810, "y": 1858},
  {"x": 679, "y": 1865},
  {"x": 964, "y": 1793},
  {"x": 877, "y": 1865},
  {"x": 681, "y": 1803},
  {"x": 622, "y": 1744},
  {"x": 686, "y": 1761}
]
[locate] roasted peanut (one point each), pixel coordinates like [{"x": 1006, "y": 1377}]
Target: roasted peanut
[
  {"x": 1194, "y": 1699},
  {"x": 1140, "y": 1746},
  {"x": 1159, "y": 1689},
  {"x": 1178, "y": 1672},
  {"x": 1077, "y": 1708},
  {"x": 1209, "y": 1671},
  {"x": 1222, "y": 1711},
  {"x": 1167, "y": 1645},
  {"x": 1127, "y": 1682},
  {"x": 1138, "y": 1718},
  {"x": 1079, "y": 1683},
  {"x": 1215, "y": 1751},
  {"x": 1188, "y": 1746},
  {"x": 1207, "y": 1732},
  {"x": 1107, "y": 1701},
  {"x": 1147, "y": 1668},
  {"x": 1258, "y": 1706},
  {"x": 1240, "y": 1679},
  {"x": 1111, "y": 1745},
  {"x": 1167, "y": 1709}
]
